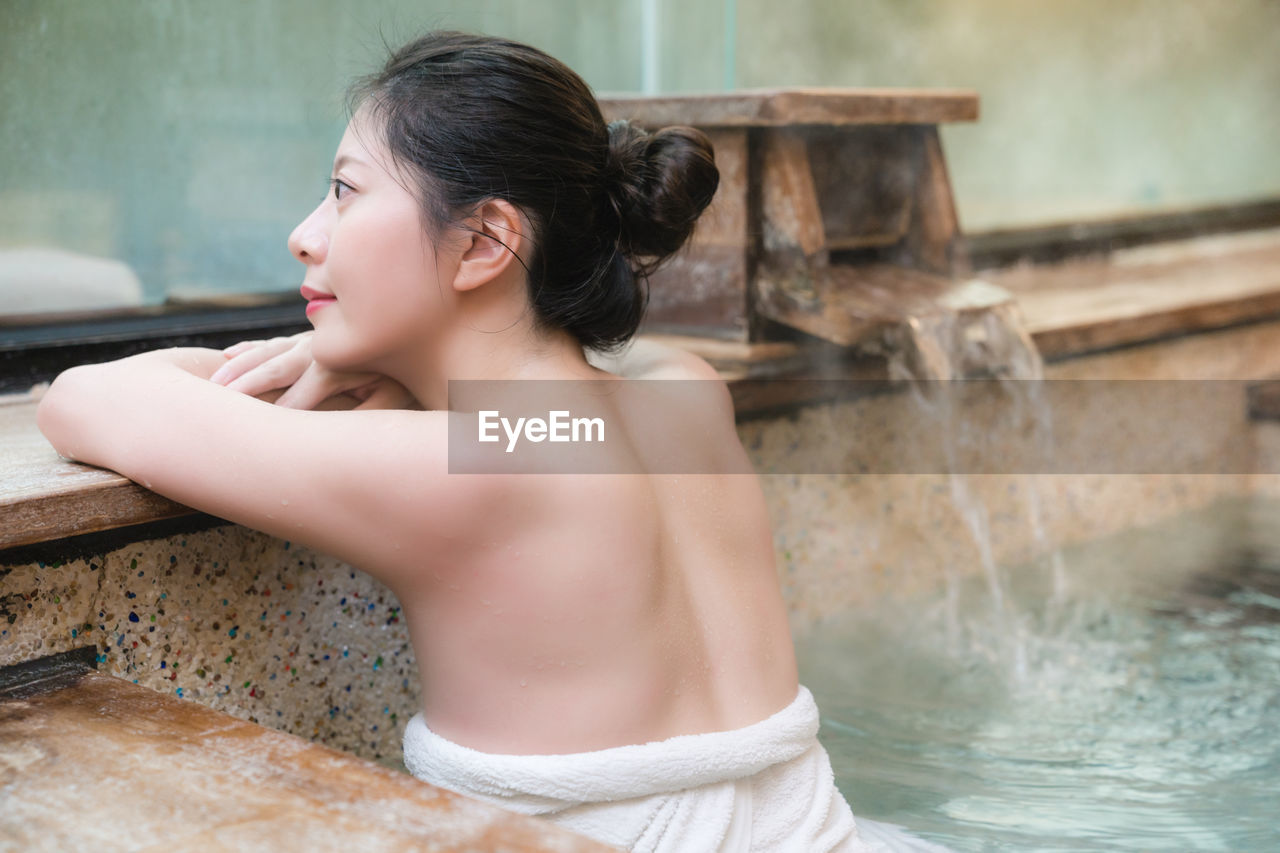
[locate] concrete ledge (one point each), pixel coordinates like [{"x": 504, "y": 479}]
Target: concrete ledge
[{"x": 160, "y": 771}]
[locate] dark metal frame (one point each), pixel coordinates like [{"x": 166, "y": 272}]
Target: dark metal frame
[
  {"x": 1047, "y": 243},
  {"x": 31, "y": 353}
]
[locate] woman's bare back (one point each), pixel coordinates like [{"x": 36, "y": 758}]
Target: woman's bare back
[{"x": 572, "y": 612}]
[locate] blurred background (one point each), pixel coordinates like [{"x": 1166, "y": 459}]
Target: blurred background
[{"x": 166, "y": 148}]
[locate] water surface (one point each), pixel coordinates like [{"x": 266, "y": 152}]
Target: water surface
[{"x": 1127, "y": 698}]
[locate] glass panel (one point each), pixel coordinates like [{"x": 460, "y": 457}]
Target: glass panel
[{"x": 162, "y": 151}]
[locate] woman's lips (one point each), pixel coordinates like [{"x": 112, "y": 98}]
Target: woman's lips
[
  {"x": 316, "y": 304},
  {"x": 316, "y": 299}
]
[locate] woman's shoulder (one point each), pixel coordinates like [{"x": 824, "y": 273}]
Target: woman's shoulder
[
  {"x": 653, "y": 358},
  {"x": 679, "y": 363}
]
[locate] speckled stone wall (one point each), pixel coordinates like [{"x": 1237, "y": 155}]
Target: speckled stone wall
[
  {"x": 273, "y": 633},
  {"x": 846, "y": 539},
  {"x": 235, "y": 619}
]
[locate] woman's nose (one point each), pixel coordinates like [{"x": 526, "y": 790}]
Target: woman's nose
[{"x": 308, "y": 242}]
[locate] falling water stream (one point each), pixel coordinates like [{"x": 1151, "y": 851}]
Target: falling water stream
[
  {"x": 1123, "y": 695},
  {"x": 933, "y": 353}
]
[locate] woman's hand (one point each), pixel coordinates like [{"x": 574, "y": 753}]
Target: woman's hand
[{"x": 261, "y": 368}]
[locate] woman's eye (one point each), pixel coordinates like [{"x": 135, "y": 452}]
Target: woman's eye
[{"x": 340, "y": 188}]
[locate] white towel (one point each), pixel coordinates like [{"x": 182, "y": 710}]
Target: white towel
[{"x": 765, "y": 787}]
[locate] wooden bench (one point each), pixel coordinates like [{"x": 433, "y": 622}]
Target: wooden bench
[{"x": 834, "y": 215}]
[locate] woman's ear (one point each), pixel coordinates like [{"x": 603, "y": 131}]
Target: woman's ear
[{"x": 498, "y": 238}]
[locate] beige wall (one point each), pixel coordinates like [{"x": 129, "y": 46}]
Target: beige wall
[{"x": 1089, "y": 109}]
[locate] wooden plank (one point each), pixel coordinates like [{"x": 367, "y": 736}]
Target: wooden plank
[
  {"x": 735, "y": 352},
  {"x": 701, "y": 291},
  {"x": 737, "y": 361},
  {"x": 172, "y": 774},
  {"x": 848, "y": 305},
  {"x": 1264, "y": 400},
  {"x": 26, "y": 521},
  {"x": 791, "y": 217},
  {"x": 778, "y": 107},
  {"x": 725, "y": 221},
  {"x": 933, "y": 235},
  {"x": 44, "y": 497},
  {"x": 1067, "y": 338},
  {"x": 1139, "y": 294}
]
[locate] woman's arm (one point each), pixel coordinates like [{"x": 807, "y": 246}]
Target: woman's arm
[{"x": 326, "y": 479}]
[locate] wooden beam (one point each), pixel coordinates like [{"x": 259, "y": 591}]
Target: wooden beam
[
  {"x": 848, "y": 305},
  {"x": 778, "y": 107},
  {"x": 932, "y": 239},
  {"x": 792, "y": 219}
]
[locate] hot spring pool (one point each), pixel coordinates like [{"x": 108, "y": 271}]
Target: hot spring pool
[{"x": 1123, "y": 696}]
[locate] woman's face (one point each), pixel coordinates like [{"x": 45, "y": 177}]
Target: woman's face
[{"x": 376, "y": 286}]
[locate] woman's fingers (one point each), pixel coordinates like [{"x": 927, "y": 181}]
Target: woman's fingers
[
  {"x": 247, "y": 355},
  {"x": 257, "y": 368},
  {"x": 243, "y": 346},
  {"x": 241, "y": 364},
  {"x": 279, "y": 371}
]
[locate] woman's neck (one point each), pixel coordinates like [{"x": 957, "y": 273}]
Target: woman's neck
[{"x": 515, "y": 353}]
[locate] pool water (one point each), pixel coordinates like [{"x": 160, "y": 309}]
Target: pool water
[{"x": 1123, "y": 697}]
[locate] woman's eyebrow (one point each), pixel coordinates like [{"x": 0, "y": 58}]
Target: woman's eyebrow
[{"x": 344, "y": 159}]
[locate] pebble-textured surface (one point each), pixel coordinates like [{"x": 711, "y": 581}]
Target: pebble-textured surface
[
  {"x": 273, "y": 633},
  {"x": 237, "y": 620}
]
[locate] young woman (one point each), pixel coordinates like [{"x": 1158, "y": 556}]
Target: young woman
[{"x": 609, "y": 651}]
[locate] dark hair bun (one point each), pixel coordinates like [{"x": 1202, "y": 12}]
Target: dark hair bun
[
  {"x": 659, "y": 184},
  {"x": 475, "y": 118}
]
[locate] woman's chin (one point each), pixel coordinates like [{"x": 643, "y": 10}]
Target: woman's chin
[
  {"x": 335, "y": 348},
  {"x": 336, "y": 355}
]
